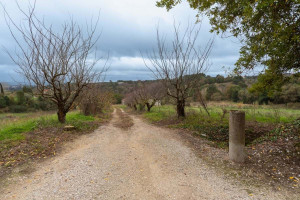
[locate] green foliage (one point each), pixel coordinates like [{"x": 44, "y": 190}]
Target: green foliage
[
  {"x": 210, "y": 91},
  {"x": 246, "y": 97},
  {"x": 233, "y": 93},
  {"x": 20, "y": 97},
  {"x": 118, "y": 98},
  {"x": 4, "y": 101},
  {"x": 27, "y": 89},
  {"x": 17, "y": 108},
  {"x": 220, "y": 79},
  {"x": 24, "y": 100},
  {"x": 268, "y": 83},
  {"x": 269, "y": 31}
]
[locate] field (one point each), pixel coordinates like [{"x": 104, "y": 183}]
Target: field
[
  {"x": 256, "y": 113},
  {"x": 12, "y": 126}
]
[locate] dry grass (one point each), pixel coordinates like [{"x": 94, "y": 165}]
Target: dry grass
[{"x": 6, "y": 119}]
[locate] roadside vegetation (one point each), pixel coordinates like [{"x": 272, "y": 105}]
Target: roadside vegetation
[
  {"x": 35, "y": 136},
  {"x": 272, "y": 138},
  {"x": 219, "y": 111}
]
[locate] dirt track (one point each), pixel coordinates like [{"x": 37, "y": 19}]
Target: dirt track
[{"x": 144, "y": 162}]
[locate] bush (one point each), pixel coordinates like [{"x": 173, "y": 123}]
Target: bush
[
  {"x": 17, "y": 109},
  {"x": 233, "y": 93},
  {"x": 20, "y": 97},
  {"x": 4, "y": 101},
  {"x": 210, "y": 91}
]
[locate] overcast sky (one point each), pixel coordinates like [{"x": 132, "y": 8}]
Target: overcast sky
[{"x": 128, "y": 28}]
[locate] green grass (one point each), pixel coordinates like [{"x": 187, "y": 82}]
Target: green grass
[
  {"x": 15, "y": 130},
  {"x": 264, "y": 114},
  {"x": 120, "y": 106},
  {"x": 216, "y": 129},
  {"x": 159, "y": 113}
]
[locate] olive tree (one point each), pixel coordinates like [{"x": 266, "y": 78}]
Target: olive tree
[
  {"x": 57, "y": 62},
  {"x": 180, "y": 63}
]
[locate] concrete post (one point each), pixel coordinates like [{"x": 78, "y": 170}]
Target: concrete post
[{"x": 237, "y": 136}]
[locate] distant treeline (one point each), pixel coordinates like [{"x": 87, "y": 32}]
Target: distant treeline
[
  {"x": 23, "y": 101},
  {"x": 220, "y": 88}
]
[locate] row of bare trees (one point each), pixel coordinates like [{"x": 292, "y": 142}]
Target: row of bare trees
[
  {"x": 94, "y": 99},
  {"x": 61, "y": 66},
  {"x": 145, "y": 95}
]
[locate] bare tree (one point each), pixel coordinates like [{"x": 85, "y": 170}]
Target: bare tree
[
  {"x": 131, "y": 100},
  {"x": 179, "y": 65},
  {"x": 150, "y": 93},
  {"x": 1, "y": 89},
  {"x": 202, "y": 101},
  {"x": 58, "y": 63},
  {"x": 94, "y": 99}
]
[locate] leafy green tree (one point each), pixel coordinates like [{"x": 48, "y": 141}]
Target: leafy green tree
[
  {"x": 210, "y": 91},
  {"x": 246, "y": 96},
  {"x": 2, "y": 102},
  {"x": 220, "y": 79},
  {"x": 269, "y": 31},
  {"x": 263, "y": 99},
  {"x": 233, "y": 93}
]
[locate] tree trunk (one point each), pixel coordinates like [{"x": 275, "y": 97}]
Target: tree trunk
[
  {"x": 61, "y": 116},
  {"x": 142, "y": 107},
  {"x": 135, "y": 108},
  {"x": 180, "y": 108},
  {"x": 148, "y": 107}
]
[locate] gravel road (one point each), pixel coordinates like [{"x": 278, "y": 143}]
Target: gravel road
[{"x": 144, "y": 162}]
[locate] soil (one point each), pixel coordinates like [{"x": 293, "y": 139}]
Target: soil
[{"x": 142, "y": 162}]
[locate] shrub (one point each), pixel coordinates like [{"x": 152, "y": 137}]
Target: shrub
[
  {"x": 20, "y": 97},
  {"x": 17, "y": 109},
  {"x": 210, "y": 91}
]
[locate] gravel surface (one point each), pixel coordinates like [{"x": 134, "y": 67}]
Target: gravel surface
[{"x": 144, "y": 162}]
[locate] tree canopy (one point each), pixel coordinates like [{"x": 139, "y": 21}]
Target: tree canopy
[{"x": 268, "y": 29}]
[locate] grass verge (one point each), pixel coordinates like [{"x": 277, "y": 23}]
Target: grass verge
[
  {"x": 41, "y": 137},
  {"x": 272, "y": 145}
]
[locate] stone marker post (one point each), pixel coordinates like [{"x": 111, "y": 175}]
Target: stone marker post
[{"x": 237, "y": 136}]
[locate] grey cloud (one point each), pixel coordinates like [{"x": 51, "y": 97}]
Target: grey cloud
[{"x": 128, "y": 27}]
